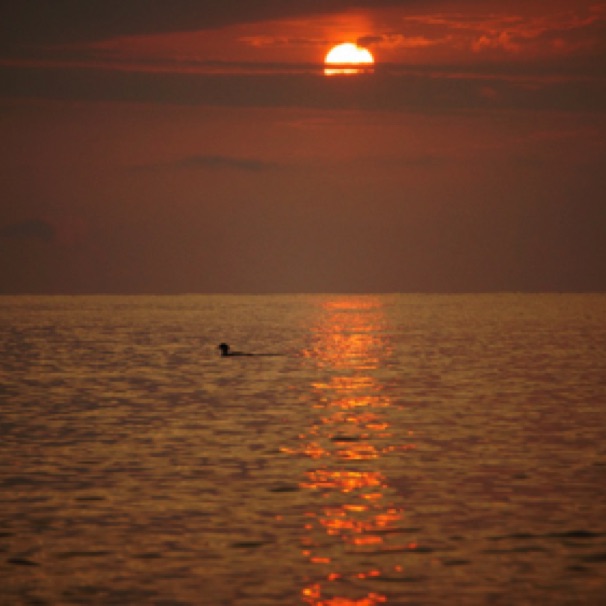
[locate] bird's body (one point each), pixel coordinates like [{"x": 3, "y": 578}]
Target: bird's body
[{"x": 225, "y": 351}]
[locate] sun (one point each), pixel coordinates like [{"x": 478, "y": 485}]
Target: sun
[
  {"x": 347, "y": 58},
  {"x": 349, "y": 54}
]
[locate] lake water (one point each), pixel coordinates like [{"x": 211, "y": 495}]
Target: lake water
[{"x": 400, "y": 449}]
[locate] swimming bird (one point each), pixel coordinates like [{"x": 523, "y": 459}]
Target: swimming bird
[{"x": 225, "y": 351}]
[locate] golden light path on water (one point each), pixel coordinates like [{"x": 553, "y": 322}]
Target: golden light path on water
[{"x": 356, "y": 515}]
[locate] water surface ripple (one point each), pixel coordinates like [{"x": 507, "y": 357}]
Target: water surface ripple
[{"x": 400, "y": 449}]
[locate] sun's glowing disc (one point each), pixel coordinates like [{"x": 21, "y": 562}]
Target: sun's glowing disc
[
  {"x": 347, "y": 58},
  {"x": 349, "y": 54}
]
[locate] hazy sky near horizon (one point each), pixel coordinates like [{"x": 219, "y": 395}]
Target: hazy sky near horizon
[{"x": 189, "y": 146}]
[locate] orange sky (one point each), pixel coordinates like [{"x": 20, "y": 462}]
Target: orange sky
[{"x": 201, "y": 149}]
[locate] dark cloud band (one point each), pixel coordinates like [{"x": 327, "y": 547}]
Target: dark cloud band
[
  {"x": 37, "y": 229},
  {"x": 389, "y": 88}
]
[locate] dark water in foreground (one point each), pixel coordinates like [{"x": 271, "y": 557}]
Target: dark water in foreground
[{"x": 403, "y": 450}]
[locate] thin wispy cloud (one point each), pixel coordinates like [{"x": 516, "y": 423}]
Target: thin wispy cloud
[
  {"x": 397, "y": 41},
  {"x": 282, "y": 41},
  {"x": 534, "y": 34},
  {"x": 211, "y": 162}
]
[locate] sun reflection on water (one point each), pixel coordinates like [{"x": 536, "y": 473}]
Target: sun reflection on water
[{"x": 357, "y": 520}]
